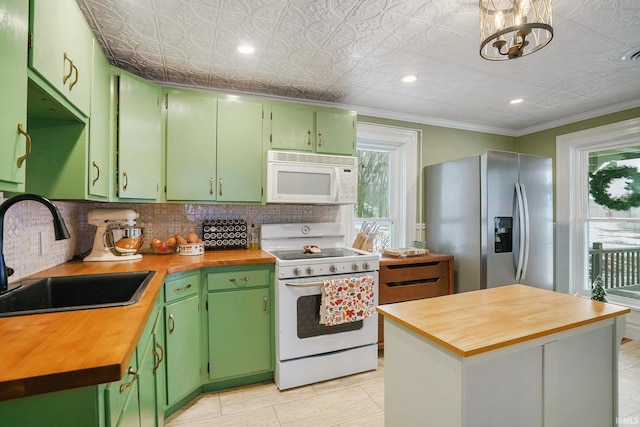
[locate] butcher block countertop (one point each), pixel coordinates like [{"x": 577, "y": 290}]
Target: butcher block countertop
[
  {"x": 56, "y": 351},
  {"x": 476, "y": 322}
]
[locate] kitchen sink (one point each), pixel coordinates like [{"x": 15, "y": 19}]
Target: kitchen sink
[{"x": 65, "y": 293}]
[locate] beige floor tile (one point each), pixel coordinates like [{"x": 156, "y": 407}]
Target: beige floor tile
[
  {"x": 261, "y": 396},
  {"x": 375, "y": 390},
  {"x": 375, "y": 420},
  {"x": 204, "y": 407},
  {"x": 346, "y": 382},
  {"x": 328, "y": 409},
  {"x": 254, "y": 418}
]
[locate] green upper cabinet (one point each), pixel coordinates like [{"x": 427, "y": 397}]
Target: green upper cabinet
[
  {"x": 239, "y": 153},
  {"x": 139, "y": 142},
  {"x": 100, "y": 127},
  {"x": 213, "y": 148},
  {"x": 61, "y": 49},
  {"x": 191, "y": 146},
  {"x": 313, "y": 129},
  {"x": 14, "y": 142}
]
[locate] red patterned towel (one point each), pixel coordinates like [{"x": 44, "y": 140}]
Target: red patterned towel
[{"x": 347, "y": 300}]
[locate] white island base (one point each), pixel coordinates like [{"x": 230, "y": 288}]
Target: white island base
[{"x": 557, "y": 377}]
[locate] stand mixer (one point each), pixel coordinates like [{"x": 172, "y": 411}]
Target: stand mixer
[{"x": 117, "y": 237}]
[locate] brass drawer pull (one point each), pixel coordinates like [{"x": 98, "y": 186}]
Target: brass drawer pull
[
  {"x": 125, "y": 386},
  {"x": 182, "y": 288},
  {"x": 220, "y": 181},
  {"x": 126, "y": 181},
  {"x": 309, "y": 137},
  {"x": 73, "y": 83},
  {"x": 239, "y": 281},
  {"x": 320, "y": 139},
  {"x": 265, "y": 304},
  {"x": 66, "y": 76},
  {"x": 211, "y": 185},
  {"x": 21, "y": 159}
]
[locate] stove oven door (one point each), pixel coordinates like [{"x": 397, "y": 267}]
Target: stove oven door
[{"x": 300, "y": 333}]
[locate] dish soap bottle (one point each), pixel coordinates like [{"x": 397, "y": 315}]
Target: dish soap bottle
[{"x": 254, "y": 243}]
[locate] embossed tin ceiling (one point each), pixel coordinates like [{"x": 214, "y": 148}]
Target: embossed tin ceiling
[{"x": 354, "y": 52}]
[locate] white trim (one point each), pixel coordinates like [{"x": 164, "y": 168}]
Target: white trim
[
  {"x": 405, "y": 142},
  {"x": 571, "y": 150}
]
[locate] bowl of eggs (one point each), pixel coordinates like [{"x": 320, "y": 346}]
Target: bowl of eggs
[{"x": 166, "y": 247}]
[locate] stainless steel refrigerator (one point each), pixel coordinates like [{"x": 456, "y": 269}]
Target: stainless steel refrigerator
[{"x": 494, "y": 213}]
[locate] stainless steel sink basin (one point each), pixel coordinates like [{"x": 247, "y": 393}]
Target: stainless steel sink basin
[{"x": 67, "y": 293}]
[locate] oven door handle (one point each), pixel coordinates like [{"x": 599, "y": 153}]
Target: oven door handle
[{"x": 304, "y": 285}]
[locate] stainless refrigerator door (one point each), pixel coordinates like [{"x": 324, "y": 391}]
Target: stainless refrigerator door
[
  {"x": 501, "y": 227},
  {"x": 536, "y": 179},
  {"x": 452, "y": 217}
]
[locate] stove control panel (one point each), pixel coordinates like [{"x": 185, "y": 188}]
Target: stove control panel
[{"x": 326, "y": 269}]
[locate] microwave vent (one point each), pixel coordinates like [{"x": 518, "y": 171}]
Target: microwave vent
[{"x": 323, "y": 159}]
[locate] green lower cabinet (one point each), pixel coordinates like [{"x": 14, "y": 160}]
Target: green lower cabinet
[
  {"x": 240, "y": 323},
  {"x": 182, "y": 335}
]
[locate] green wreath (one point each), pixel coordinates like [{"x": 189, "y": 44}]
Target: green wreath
[{"x": 601, "y": 179}]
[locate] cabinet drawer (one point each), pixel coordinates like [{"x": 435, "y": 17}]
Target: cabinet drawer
[
  {"x": 182, "y": 287},
  {"x": 394, "y": 273},
  {"x": 237, "y": 279},
  {"x": 407, "y": 291}
]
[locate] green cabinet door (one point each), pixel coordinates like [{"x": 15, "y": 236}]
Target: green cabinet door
[
  {"x": 191, "y": 146},
  {"x": 239, "y": 333},
  {"x": 139, "y": 138},
  {"x": 239, "y": 154},
  {"x": 62, "y": 46},
  {"x": 292, "y": 128},
  {"x": 13, "y": 86},
  {"x": 336, "y": 132},
  {"x": 147, "y": 384},
  {"x": 182, "y": 337},
  {"x": 99, "y": 127}
]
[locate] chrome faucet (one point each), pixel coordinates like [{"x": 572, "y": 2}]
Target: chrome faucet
[{"x": 59, "y": 228}]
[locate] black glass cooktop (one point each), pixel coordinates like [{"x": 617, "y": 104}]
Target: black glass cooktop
[{"x": 293, "y": 254}]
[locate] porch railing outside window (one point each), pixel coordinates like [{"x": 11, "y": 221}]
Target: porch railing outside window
[{"x": 617, "y": 267}]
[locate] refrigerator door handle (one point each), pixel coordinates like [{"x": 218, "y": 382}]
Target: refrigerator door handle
[
  {"x": 521, "y": 234},
  {"x": 525, "y": 202}
]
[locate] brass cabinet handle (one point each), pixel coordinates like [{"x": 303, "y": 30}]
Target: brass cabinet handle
[
  {"x": 308, "y": 136},
  {"x": 21, "y": 159},
  {"x": 73, "y": 83},
  {"x": 98, "y": 173},
  {"x": 211, "y": 185},
  {"x": 320, "y": 141},
  {"x": 126, "y": 181},
  {"x": 220, "y": 181},
  {"x": 182, "y": 288},
  {"x": 66, "y": 76},
  {"x": 125, "y": 386},
  {"x": 173, "y": 324},
  {"x": 159, "y": 356},
  {"x": 236, "y": 281},
  {"x": 265, "y": 304}
]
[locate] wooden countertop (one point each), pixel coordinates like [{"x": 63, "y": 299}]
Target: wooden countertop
[
  {"x": 389, "y": 260},
  {"x": 50, "y": 352},
  {"x": 476, "y": 322}
]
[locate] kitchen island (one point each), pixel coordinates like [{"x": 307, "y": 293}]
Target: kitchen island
[{"x": 512, "y": 355}]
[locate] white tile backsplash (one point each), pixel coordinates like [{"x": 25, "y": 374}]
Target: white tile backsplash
[{"x": 27, "y": 222}]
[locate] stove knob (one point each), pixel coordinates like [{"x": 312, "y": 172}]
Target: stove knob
[
  {"x": 309, "y": 270},
  {"x": 296, "y": 271},
  {"x": 354, "y": 267},
  {"x": 366, "y": 266},
  {"x": 333, "y": 269}
]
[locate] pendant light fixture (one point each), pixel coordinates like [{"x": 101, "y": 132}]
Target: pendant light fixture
[{"x": 510, "y": 29}]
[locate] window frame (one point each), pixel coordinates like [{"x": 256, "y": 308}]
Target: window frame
[{"x": 405, "y": 201}]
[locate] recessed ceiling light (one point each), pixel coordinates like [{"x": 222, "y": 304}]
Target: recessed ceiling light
[
  {"x": 409, "y": 78},
  {"x": 246, "y": 49},
  {"x": 516, "y": 101}
]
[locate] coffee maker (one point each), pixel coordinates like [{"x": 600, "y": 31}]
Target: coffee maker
[{"x": 117, "y": 237}]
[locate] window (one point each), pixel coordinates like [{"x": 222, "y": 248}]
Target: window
[
  {"x": 585, "y": 226},
  {"x": 389, "y": 190}
]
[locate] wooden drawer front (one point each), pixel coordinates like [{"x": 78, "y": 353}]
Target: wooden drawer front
[
  {"x": 179, "y": 288},
  {"x": 404, "y": 272},
  {"x": 238, "y": 279},
  {"x": 413, "y": 290}
]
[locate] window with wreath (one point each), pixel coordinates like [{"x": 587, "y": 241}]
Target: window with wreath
[{"x": 613, "y": 216}]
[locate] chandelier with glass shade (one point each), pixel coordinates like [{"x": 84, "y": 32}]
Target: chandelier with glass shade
[{"x": 510, "y": 29}]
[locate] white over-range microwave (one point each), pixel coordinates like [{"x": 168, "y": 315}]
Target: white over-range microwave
[{"x": 308, "y": 178}]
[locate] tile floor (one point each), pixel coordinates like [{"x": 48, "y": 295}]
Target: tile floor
[{"x": 353, "y": 401}]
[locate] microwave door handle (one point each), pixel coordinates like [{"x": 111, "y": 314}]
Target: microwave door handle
[{"x": 336, "y": 183}]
